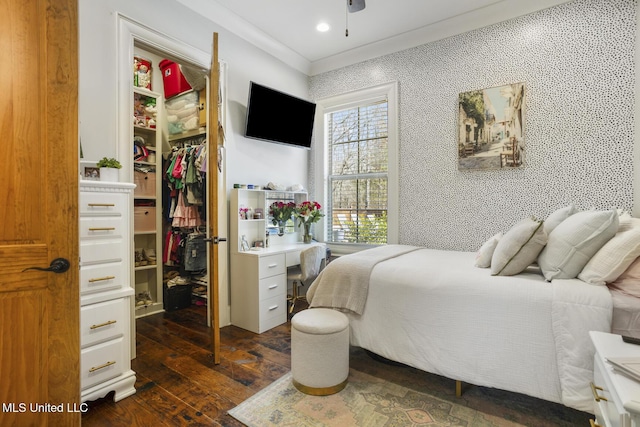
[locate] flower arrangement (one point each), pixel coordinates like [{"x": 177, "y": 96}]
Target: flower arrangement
[
  {"x": 308, "y": 212},
  {"x": 281, "y": 212}
]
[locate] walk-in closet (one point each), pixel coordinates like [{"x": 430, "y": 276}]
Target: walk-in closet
[{"x": 170, "y": 168}]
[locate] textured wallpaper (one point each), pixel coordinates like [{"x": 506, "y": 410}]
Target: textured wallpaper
[{"x": 577, "y": 61}]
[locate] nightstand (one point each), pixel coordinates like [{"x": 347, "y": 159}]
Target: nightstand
[{"x": 616, "y": 397}]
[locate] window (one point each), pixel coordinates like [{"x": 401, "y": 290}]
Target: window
[{"x": 359, "y": 167}]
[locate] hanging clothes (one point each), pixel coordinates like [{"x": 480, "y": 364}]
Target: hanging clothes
[{"x": 195, "y": 252}]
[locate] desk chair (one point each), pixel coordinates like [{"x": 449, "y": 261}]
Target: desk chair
[{"x": 309, "y": 268}]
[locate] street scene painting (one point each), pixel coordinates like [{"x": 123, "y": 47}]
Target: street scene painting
[{"x": 491, "y": 128}]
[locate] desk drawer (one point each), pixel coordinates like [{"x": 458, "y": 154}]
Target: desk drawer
[
  {"x": 103, "y": 321},
  {"x": 273, "y": 312},
  {"x": 293, "y": 258},
  {"x": 102, "y": 362},
  {"x": 101, "y": 204},
  {"x": 272, "y": 286},
  {"x": 102, "y": 277},
  {"x": 272, "y": 265}
]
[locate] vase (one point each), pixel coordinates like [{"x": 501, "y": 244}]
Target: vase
[
  {"x": 307, "y": 237},
  {"x": 109, "y": 174},
  {"x": 281, "y": 225}
]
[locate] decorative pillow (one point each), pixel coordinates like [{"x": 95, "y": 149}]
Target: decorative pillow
[
  {"x": 629, "y": 281},
  {"x": 557, "y": 217},
  {"x": 518, "y": 248},
  {"x": 615, "y": 256},
  {"x": 483, "y": 257},
  {"x": 574, "y": 241}
]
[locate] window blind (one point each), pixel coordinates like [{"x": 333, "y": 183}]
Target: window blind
[{"x": 358, "y": 198}]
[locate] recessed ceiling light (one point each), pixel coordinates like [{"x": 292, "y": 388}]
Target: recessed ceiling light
[{"x": 323, "y": 27}]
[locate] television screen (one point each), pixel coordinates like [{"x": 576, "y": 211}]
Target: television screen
[{"x": 277, "y": 117}]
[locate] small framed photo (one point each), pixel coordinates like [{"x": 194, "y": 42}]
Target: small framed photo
[
  {"x": 91, "y": 173},
  {"x": 258, "y": 244}
]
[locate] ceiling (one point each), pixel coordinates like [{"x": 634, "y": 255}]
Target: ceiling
[{"x": 287, "y": 28}]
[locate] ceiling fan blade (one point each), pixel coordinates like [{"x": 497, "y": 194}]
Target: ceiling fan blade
[{"x": 355, "y": 5}]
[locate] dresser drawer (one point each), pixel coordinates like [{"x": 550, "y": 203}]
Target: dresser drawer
[
  {"x": 102, "y": 227},
  {"x": 100, "y": 204},
  {"x": 272, "y": 286},
  {"x": 272, "y": 265},
  {"x": 103, "y": 321},
  {"x": 102, "y": 277},
  {"x": 102, "y": 362},
  {"x": 97, "y": 252}
]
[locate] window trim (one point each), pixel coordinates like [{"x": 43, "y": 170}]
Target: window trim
[{"x": 341, "y": 102}]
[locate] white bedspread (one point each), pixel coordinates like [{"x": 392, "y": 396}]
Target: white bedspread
[{"x": 435, "y": 311}]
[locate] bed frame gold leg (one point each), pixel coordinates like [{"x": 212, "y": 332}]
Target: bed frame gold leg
[{"x": 458, "y": 388}]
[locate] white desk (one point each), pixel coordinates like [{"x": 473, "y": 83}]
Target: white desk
[{"x": 259, "y": 285}]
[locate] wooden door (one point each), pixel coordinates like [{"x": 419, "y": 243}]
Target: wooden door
[
  {"x": 39, "y": 311},
  {"x": 215, "y": 170}
]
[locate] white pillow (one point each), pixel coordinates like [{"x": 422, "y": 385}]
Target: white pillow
[
  {"x": 615, "y": 256},
  {"x": 556, "y": 217},
  {"x": 518, "y": 248},
  {"x": 483, "y": 257},
  {"x": 574, "y": 241}
]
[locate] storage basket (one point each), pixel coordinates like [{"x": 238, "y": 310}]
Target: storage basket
[
  {"x": 144, "y": 219},
  {"x": 172, "y": 78},
  {"x": 145, "y": 184},
  {"x": 177, "y": 297}
]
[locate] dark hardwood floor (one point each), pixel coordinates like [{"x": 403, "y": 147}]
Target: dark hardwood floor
[{"x": 179, "y": 385}]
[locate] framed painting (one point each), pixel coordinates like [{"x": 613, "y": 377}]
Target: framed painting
[{"x": 491, "y": 128}]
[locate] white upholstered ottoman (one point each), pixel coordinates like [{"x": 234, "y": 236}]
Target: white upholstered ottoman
[{"x": 320, "y": 351}]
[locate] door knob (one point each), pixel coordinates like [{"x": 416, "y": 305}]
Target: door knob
[
  {"x": 215, "y": 240},
  {"x": 58, "y": 265}
]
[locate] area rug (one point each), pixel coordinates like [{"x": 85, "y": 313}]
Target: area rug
[{"x": 366, "y": 401}]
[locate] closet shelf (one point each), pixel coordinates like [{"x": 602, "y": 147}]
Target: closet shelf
[
  {"x": 144, "y": 129},
  {"x": 145, "y": 267},
  {"x": 187, "y": 134}
]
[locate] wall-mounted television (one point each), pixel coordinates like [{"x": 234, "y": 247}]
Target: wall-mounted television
[{"x": 275, "y": 116}]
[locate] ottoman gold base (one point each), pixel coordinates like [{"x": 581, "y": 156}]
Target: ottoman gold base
[{"x": 320, "y": 391}]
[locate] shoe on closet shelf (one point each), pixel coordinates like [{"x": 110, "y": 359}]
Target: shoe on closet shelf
[
  {"x": 149, "y": 255},
  {"x": 139, "y": 258},
  {"x": 143, "y": 298}
]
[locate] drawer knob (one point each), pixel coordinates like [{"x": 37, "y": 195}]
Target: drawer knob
[
  {"x": 97, "y": 368},
  {"x": 596, "y": 396},
  {"x": 273, "y": 307},
  {"x": 100, "y": 279},
  {"x": 101, "y": 228},
  {"x": 273, "y": 265},
  {"x": 273, "y": 286},
  {"x": 105, "y": 205},
  {"x": 101, "y": 325}
]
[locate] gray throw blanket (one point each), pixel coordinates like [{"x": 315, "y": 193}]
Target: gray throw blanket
[{"x": 344, "y": 283}]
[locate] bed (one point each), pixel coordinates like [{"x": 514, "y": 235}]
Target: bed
[
  {"x": 433, "y": 310},
  {"x": 520, "y": 323}
]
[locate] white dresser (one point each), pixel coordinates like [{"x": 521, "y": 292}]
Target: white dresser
[
  {"x": 105, "y": 290},
  {"x": 616, "y": 397}
]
